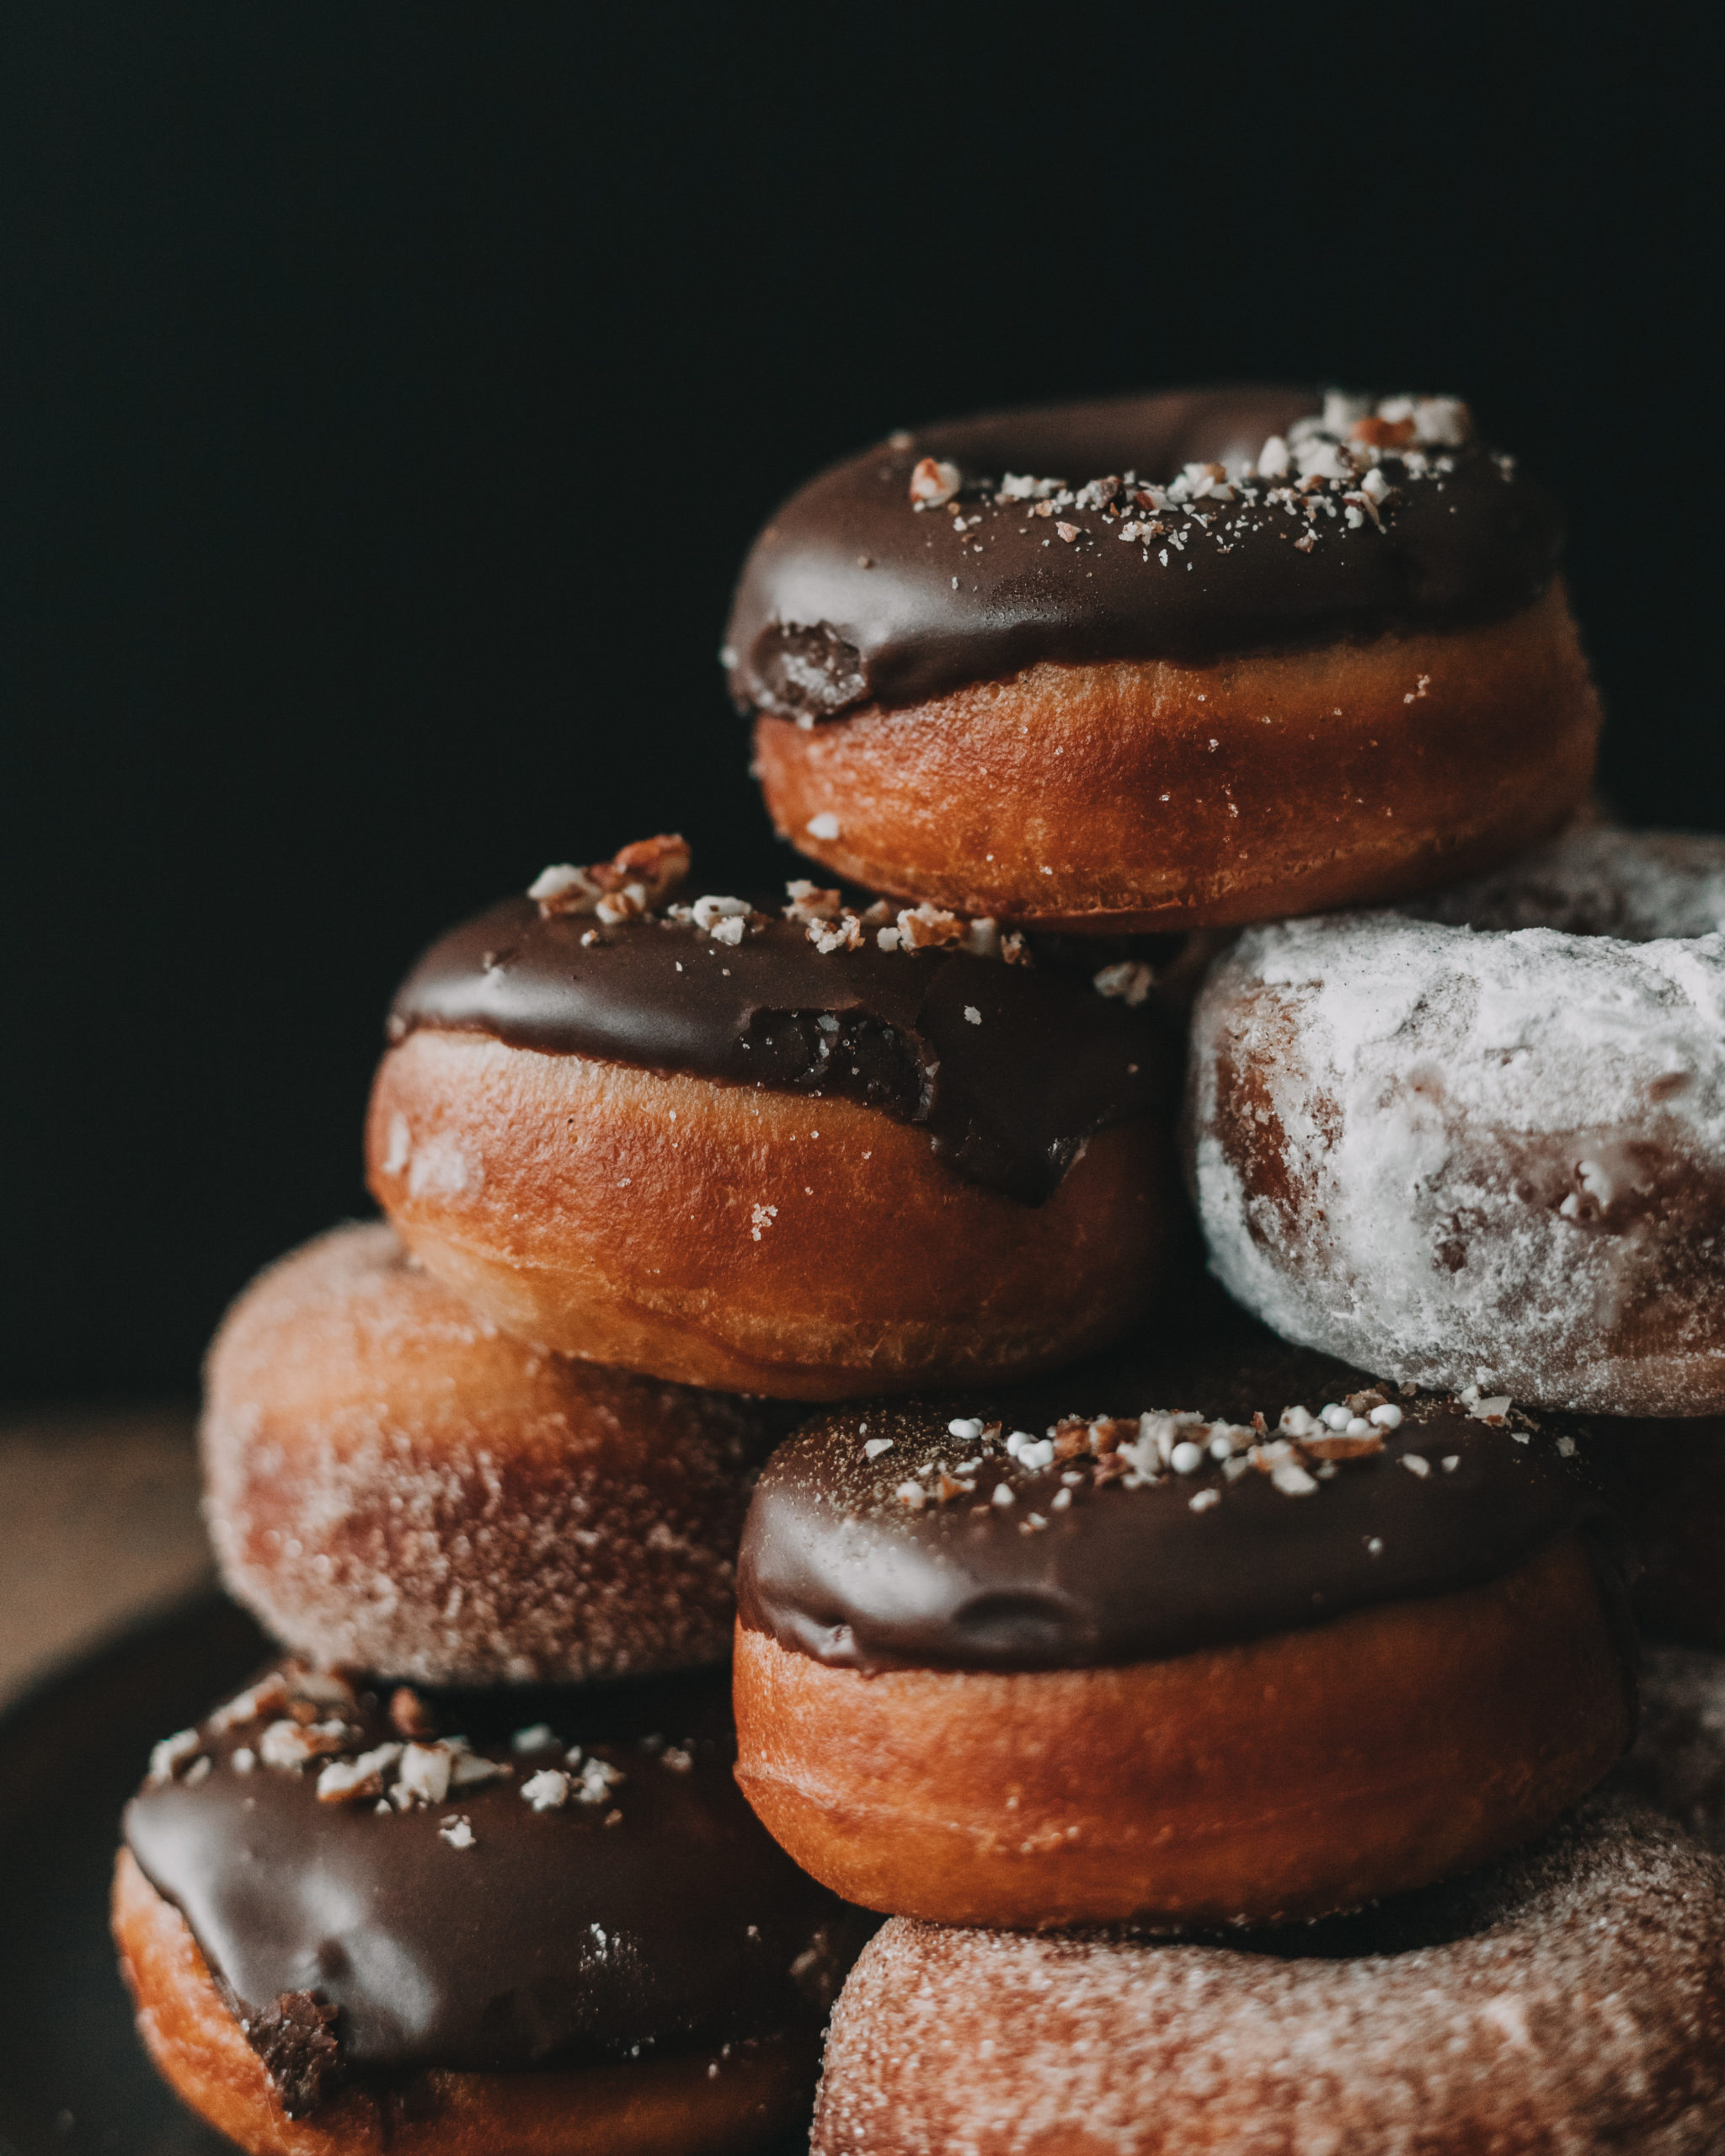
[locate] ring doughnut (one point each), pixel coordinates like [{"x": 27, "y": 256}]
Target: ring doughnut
[
  {"x": 1487, "y": 1147},
  {"x": 1168, "y": 1687},
  {"x": 620, "y": 1962},
  {"x": 391, "y": 1483},
  {"x": 774, "y": 1154},
  {"x": 1572, "y": 1998},
  {"x": 1280, "y": 659}
]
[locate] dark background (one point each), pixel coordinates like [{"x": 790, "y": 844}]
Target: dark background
[{"x": 391, "y": 392}]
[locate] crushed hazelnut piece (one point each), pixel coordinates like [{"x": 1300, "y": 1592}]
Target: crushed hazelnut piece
[
  {"x": 933, "y": 483},
  {"x": 172, "y": 1754},
  {"x": 408, "y": 1713},
  {"x": 1129, "y": 982},
  {"x": 287, "y": 1746},
  {"x": 810, "y": 902},
  {"x": 636, "y": 878},
  {"x": 348, "y": 1781},
  {"x": 926, "y": 927}
]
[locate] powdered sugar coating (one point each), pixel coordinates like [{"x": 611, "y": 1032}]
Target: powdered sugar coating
[
  {"x": 391, "y": 1483},
  {"x": 1641, "y": 887},
  {"x": 1582, "y": 2010},
  {"x": 1486, "y": 1156},
  {"x": 1678, "y": 1762}
]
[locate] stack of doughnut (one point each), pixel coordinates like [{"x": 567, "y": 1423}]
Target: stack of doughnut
[{"x": 1203, "y": 1621}]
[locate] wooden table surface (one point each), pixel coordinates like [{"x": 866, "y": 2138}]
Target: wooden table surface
[{"x": 98, "y": 1527}]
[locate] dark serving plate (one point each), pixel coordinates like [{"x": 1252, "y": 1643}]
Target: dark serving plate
[
  {"x": 74, "y": 2080},
  {"x": 74, "y": 2077}
]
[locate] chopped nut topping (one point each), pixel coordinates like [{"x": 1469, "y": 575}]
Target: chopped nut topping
[
  {"x": 472, "y": 1770},
  {"x": 1335, "y": 1445},
  {"x": 809, "y": 902},
  {"x": 563, "y": 888},
  {"x": 288, "y": 1746},
  {"x": 323, "y": 1688},
  {"x": 844, "y": 934},
  {"x": 1129, "y": 982},
  {"x": 346, "y": 1781},
  {"x": 173, "y": 1754},
  {"x": 408, "y": 1713},
  {"x": 636, "y": 878},
  {"x": 424, "y": 1773},
  {"x": 926, "y": 927},
  {"x": 267, "y": 1697},
  {"x": 932, "y": 484},
  {"x": 596, "y": 1781}
]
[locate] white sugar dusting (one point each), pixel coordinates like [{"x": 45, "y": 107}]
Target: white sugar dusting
[
  {"x": 1585, "y": 2011},
  {"x": 1490, "y": 1158}
]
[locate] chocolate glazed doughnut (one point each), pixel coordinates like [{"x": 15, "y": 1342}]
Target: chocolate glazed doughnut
[
  {"x": 1242, "y": 658},
  {"x": 391, "y": 1483},
  {"x": 805, "y": 1154},
  {"x": 344, "y": 1932},
  {"x": 1569, "y": 1998},
  {"x": 1242, "y": 1663}
]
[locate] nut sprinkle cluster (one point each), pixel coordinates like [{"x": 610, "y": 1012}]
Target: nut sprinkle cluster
[
  {"x": 314, "y": 1723},
  {"x": 1339, "y": 469},
  {"x": 642, "y": 881},
  {"x": 995, "y": 1468}
]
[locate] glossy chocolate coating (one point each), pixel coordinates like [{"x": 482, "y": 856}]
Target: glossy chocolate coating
[
  {"x": 836, "y": 1566},
  {"x": 851, "y": 596},
  {"x": 1009, "y": 1097},
  {"x": 556, "y": 1938}
]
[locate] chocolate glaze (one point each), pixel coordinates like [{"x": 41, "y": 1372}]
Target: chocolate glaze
[
  {"x": 555, "y": 1940},
  {"x": 851, "y": 596},
  {"x": 834, "y": 1565},
  {"x": 1008, "y": 1101}
]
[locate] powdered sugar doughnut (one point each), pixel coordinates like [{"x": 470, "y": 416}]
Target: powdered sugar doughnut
[
  {"x": 393, "y": 1484},
  {"x": 1569, "y": 2002},
  {"x": 1466, "y": 1150}
]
